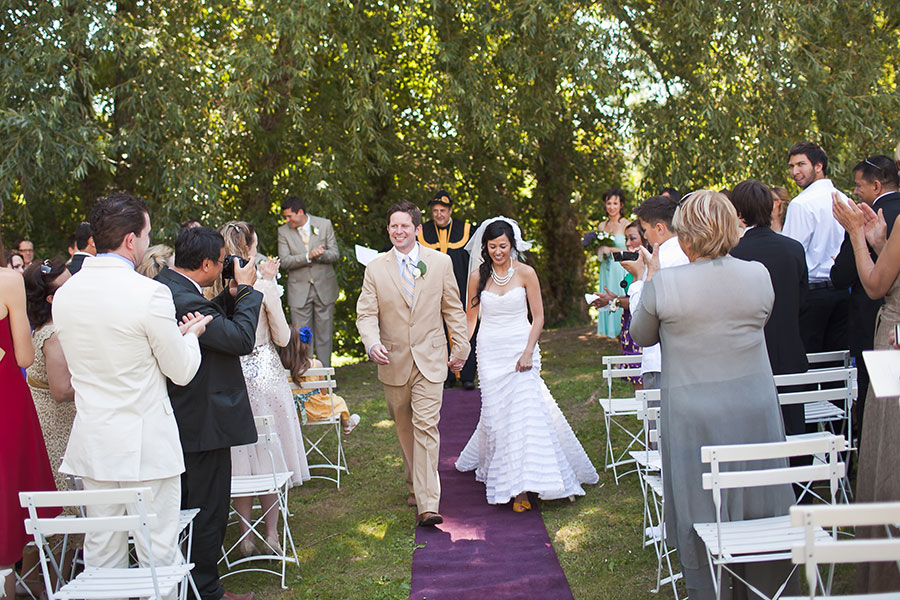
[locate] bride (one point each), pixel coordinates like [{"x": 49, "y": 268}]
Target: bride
[{"x": 522, "y": 442}]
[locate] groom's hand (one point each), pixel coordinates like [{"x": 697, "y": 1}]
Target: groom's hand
[
  {"x": 379, "y": 355},
  {"x": 456, "y": 364}
]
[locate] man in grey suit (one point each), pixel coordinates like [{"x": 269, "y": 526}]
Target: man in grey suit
[{"x": 308, "y": 250}]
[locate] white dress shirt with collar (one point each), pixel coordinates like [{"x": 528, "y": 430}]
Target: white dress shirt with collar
[
  {"x": 670, "y": 255},
  {"x": 413, "y": 256},
  {"x": 809, "y": 220}
]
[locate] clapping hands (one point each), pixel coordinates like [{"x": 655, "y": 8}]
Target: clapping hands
[
  {"x": 269, "y": 268},
  {"x": 317, "y": 251}
]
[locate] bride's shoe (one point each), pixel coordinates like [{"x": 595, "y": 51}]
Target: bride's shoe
[{"x": 521, "y": 506}]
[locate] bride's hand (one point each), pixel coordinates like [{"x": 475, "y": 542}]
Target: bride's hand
[{"x": 524, "y": 362}]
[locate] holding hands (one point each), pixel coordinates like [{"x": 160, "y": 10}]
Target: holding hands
[{"x": 455, "y": 364}]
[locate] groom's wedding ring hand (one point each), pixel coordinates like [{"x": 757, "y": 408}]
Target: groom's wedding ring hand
[
  {"x": 456, "y": 364},
  {"x": 379, "y": 355}
]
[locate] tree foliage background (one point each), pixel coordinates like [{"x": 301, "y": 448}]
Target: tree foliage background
[{"x": 219, "y": 109}]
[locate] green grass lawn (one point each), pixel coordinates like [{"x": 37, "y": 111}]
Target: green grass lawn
[{"x": 357, "y": 542}]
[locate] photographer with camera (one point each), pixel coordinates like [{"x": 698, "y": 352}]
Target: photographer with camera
[{"x": 213, "y": 410}]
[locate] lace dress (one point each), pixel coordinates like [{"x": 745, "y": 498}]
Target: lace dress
[
  {"x": 522, "y": 441},
  {"x": 270, "y": 394},
  {"x": 56, "y": 417}
]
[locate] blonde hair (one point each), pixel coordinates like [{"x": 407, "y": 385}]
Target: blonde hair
[
  {"x": 707, "y": 223},
  {"x": 155, "y": 259},
  {"x": 238, "y": 236}
]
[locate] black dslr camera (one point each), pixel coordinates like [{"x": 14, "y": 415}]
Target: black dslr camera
[{"x": 228, "y": 267}]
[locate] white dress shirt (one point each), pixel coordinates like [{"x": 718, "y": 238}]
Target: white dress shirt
[
  {"x": 670, "y": 255},
  {"x": 413, "y": 256},
  {"x": 809, "y": 220}
]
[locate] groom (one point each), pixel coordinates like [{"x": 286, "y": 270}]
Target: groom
[{"x": 407, "y": 295}]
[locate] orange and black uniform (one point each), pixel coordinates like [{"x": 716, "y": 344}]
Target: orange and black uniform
[{"x": 451, "y": 240}]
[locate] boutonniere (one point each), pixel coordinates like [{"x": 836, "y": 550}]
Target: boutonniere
[
  {"x": 314, "y": 229},
  {"x": 420, "y": 270}
]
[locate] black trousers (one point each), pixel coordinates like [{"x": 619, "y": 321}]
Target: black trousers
[
  {"x": 823, "y": 320},
  {"x": 206, "y": 484}
]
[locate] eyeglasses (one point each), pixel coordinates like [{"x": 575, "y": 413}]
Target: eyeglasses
[
  {"x": 874, "y": 166},
  {"x": 46, "y": 267},
  {"x": 684, "y": 198}
]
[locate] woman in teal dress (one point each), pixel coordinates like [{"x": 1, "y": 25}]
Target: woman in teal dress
[{"x": 609, "y": 322}]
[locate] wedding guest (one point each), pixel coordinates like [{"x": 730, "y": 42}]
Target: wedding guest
[
  {"x": 212, "y": 409},
  {"x": 120, "y": 338},
  {"x": 308, "y": 251},
  {"x": 785, "y": 261},
  {"x": 609, "y": 322},
  {"x": 71, "y": 247},
  {"x": 15, "y": 262},
  {"x": 715, "y": 374},
  {"x": 50, "y": 384},
  {"x": 877, "y": 184},
  {"x": 267, "y": 388},
  {"x": 633, "y": 241},
  {"x": 25, "y": 465},
  {"x": 26, "y": 249},
  {"x": 155, "y": 259},
  {"x": 780, "y": 201},
  {"x": 84, "y": 242},
  {"x": 48, "y": 377},
  {"x": 317, "y": 404},
  {"x": 823, "y": 317},
  {"x": 655, "y": 215},
  {"x": 879, "y": 452}
]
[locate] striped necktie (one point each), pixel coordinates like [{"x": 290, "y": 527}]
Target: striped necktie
[
  {"x": 304, "y": 235},
  {"x": 409, "y": 280}
]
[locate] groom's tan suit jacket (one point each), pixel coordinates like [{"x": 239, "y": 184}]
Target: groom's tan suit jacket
[{"x": 412, "y": 335}]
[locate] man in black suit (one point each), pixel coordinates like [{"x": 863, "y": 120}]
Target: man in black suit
[
  {"x": 877, "y": 185},
  {"x": 213, "y": 410},
  {"x": 785, "y": 260},
  {"x": 84, "y": 247}
]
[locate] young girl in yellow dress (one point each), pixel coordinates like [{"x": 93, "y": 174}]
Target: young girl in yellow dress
[{"x": 317, "y": 404}]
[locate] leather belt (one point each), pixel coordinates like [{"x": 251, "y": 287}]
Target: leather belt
[{"x": 821, "y": 285}]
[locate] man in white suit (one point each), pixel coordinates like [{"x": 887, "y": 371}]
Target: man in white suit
[
  {"x": 118, "y": 330},
  {"x": 308, "y": 250}
]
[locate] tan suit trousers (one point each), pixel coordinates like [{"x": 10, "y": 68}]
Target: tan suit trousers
[
  {"x": 416, "y": 410},
  {"x": 110, "y": 549},
  {"x": 319, "y": 317}
]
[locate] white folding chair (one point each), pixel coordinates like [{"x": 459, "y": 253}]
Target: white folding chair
[
  {"x": 835, "y": 359},
  {"x": 4, "y": 573},
  {"x": 276, "y": 483},
  {"x": 621, "y": 412},
  {"x": 649, "y": 465},
  {"x": 769, "y": 539},
  {"x": 840, "y": 386},
  {"x": 331, "y": 425},
  {"x": 817, "y": 549},
  {"x": 150, "y": 581}
]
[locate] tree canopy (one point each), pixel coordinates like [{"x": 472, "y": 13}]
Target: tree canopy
[{"x": 220, "y": 109}]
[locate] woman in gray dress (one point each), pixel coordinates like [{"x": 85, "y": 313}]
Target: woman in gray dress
[{"x": 716, "y": 385}]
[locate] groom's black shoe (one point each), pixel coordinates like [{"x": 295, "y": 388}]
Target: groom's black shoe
[
  {"x": 468, "y": 385},
  {"x": 429, "y": 519},
  {"x": 449, "y": 383}
]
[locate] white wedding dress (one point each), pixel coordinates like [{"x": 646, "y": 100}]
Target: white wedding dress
[{"x": 522, "y": 443}]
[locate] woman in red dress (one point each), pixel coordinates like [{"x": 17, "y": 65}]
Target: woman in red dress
[{"x": 24, "y": 465}]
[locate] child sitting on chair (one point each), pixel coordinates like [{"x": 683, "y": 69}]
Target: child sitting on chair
[{"x": 316, "y": 403}]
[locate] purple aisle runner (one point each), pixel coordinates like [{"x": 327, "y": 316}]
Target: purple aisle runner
[{"x": 480, "y": 550}]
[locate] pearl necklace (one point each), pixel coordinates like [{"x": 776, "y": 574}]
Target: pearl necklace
[{"x": 501, "y": 281}]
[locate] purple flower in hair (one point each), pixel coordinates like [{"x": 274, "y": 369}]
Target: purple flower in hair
[{"x": 305, "y": 335}]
